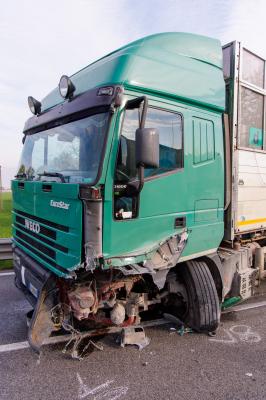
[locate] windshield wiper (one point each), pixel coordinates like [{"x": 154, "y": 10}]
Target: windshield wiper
[
  {"x": 54, "y": 174},
  {"x": 21, "y": 175},
  {"x": 25, "y": 176}
]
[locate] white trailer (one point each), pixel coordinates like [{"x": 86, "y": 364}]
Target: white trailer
[{"x": 245, "y": 78}]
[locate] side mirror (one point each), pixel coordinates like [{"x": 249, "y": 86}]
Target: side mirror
[{"x": 147, "y": 147}]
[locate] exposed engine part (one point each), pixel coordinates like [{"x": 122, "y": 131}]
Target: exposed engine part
[
  {"x": 134, "y": 335},
  {"x": 108, "y": 292},
  {"x": 136, "y": 301},
  {"x": 82, "y": 301},
  {"x": 118, "y": 314},
  {"x": 260, "y": 262},
  {"x": 110, "y": 302}
]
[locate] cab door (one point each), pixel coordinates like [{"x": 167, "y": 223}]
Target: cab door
[{"x": 134, "y": 224}]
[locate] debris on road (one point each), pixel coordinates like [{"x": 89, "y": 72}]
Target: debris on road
[
  {"x": 134, "y": 335},
  {"x": 173, "y": 318},
  {"x": 78, "y": 351},
  {"x": 182, "y": 330}
]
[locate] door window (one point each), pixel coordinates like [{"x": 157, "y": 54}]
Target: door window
[{"x": 169, "y": 125}]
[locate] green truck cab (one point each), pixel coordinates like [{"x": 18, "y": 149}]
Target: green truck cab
[{"x": 122, "y": 191}]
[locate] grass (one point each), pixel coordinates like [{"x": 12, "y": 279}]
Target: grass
[
  {"x": 5, "y": 215},
  {"x": 7, "y": 264},
  {"x": 5, "y": 224}
]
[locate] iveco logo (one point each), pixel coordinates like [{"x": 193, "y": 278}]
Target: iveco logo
[
  {"x": 59, "y": 204},
  {"x": 32, "y": 226}
]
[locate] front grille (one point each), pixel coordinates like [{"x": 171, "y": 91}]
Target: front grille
[
  {"x": 29, "y": 231},
  {"x": 44, "y": 240},
  {"x": 37, "y": 253},
  {"x": 37, "y": 245},
  {"x": 43, "y": 230},
  {"x": 44, "y": 221}
]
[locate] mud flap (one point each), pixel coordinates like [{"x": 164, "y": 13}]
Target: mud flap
[{"x": 41, "y": 324}]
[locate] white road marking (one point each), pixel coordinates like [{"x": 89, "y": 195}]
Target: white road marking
[
  {"x": 243, "y": 307},
  {"x": 14, "y": 346},
  {"x": 85, "y": 391},
  {"x": 102, "y": 391},
  {"x": 237, "y": 334},
  {"x": 64, "y": 338},
  {"x": 7, "y": 273},
  {"x": 23, "y": 275}
]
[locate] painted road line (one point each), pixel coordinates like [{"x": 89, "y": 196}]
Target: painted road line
[
  {"x": 243, "y": 307},
  {"x": 6, "y": 273},
  {"x": 13, "y": 346},
  {"x": 64, "y": 338}
]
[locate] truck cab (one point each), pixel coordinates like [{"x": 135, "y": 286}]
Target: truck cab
[{"x": 120, "y": 195}]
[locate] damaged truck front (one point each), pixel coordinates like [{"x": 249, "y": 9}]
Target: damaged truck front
[{"x": 120, "y": 193}]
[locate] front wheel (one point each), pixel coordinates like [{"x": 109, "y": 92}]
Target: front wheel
[{"x": 203, "y": 308}]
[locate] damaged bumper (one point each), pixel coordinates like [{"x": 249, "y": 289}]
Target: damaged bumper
[
  {"x": 39, "y": 287},
  {"x": 30, "y": 277}
]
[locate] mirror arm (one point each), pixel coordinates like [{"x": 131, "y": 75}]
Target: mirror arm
[
  {"x": 141, "y": 177},
  {"x": 142, "y": 125},
  {"x": 131, "y": 104},
  {"x": 144, "y": 112}
]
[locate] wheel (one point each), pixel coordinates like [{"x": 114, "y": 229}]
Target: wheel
[{"x": 203, "y": 308}]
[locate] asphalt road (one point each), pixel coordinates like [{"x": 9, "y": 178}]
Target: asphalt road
[{"x": 229, "y": 366}]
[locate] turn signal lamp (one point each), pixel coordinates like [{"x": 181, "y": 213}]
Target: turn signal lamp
[{"x": 95, "y": 193}]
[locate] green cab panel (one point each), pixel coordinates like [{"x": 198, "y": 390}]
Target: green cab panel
[
  {"x": 182, "y": 65},
  {"x": 194, "y": 193},
  {"x": 47, "y": 223}
]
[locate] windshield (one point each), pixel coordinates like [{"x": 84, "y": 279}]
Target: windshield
[{"x": 71, "y": 150}]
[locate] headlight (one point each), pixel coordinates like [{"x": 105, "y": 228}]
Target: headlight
[
  {"x": 34, "y": 105},
  {"x": 66, "y": 87}
]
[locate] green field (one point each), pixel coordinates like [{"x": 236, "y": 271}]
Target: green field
[
  {"x": 5, "y": 223},
  {"x": 5, "y": 215}
]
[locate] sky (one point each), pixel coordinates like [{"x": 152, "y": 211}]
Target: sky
[{"x": 41, "y": 41}]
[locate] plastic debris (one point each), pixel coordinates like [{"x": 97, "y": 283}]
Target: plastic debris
[
  {"x": 230, "y": 302},
  {"x": 250, "y": 375},
  {"x": 145, "y": 363},
  {"x": 173, "y": 318},
  {"x": 181, "y": 331},
  {"x": 134, "y": 335}
]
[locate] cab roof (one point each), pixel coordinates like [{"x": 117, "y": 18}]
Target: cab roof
[{"x": 181, "y": 65}]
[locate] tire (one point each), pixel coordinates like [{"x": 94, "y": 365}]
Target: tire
[{"x": 203, "y": 308}]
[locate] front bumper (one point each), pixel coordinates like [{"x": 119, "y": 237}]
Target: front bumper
[{"x": 30, "y": 277}]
